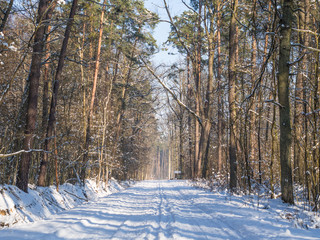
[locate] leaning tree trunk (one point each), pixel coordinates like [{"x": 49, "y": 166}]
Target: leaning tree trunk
[
  {"x": 32, "y": 102},
  {"x": 283, "y": 95}
]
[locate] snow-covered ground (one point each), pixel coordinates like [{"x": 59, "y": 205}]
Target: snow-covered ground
[
  {"x": 163, "y": 210},
  {"x": 41, "y": 202}
]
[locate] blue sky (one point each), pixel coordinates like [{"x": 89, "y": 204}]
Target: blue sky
[{"x": 161, "y": 32}]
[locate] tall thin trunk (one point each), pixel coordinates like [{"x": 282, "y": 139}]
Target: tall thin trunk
[
  {"x": 283, "y": 95},
  {"x": 83, "y": 82},
  {"x": 105, "y": 122},
  {"x": 274, "y": 132},
  {"x": 233, "y": 49},
  {"x": 220, "y": 103},
  {"x": 32, "y": 102},
  {"x": 56, "y": 159},
  {"x": 198, "y": 94},
  {"x": 46, "y": 78},
  {"x": 253, "y": 123},
  {"x": 93, "y": 94},
  {"x": 260, "y": 97},
  {"x": 205, "y": 133},
  {"x": 181, "y": 111},
  {"x": 315, "y": 132},
  {"x": 54, "y": 100},
  {"x": 299, "y": 96},
  {"x": 189, "y": 95}
]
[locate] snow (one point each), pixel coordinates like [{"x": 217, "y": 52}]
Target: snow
[
  {"x": 13, "y": 48},
  {"x": 61, "y": 2},
  {"x": 17, "y": 206},
  {"x": 165, "y": 210}
]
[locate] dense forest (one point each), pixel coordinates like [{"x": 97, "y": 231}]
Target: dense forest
[
  {"x": 80, "y": 97},
  {"x": 75, "y": 102}
]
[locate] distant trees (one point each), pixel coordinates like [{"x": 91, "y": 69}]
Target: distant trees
[{"x": 265, "y": 63}]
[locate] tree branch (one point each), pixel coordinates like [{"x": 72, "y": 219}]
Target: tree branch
[
  {"x": 22, "y": 151},
  {"x": 172, "y": 93}
]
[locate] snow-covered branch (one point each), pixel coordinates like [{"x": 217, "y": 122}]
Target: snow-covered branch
[{"x": 21, "y": 151}]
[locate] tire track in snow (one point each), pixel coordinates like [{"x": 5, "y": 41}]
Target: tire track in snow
[
  {"x": 197, "y": 224},
  {"x": 145, "y": 222},
  {"x": 165, "y": 216},
  {"x": 179, "y": 204},
  {"x": 225, "y": 226},
  {"x": 233, "y": 234}
]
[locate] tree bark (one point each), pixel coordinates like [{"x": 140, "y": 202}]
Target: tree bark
[
  {"x": 220, "y": 103},
  {"x": 32, "y": 102},
  {"x": 253, "y": 123},
  {"x": 198, "y": 162},
  {"x": 299, "y": 97},
  {"x": 233, "y": 49},
  {"x": 90, "y": 115},
  {"x": 283, "y": 95},
  {"x": 52, "y": 115},
  {"x": 205, "y": 132}
]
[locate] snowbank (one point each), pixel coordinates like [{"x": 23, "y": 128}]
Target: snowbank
[
  {"x": 17, "y": 206},
  {"x": 300, "y": 214}
]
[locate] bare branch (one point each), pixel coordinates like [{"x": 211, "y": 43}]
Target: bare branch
[
  {"x": 297, "y": 60},
  {"x": 306, "y": 31},
  {"x": 21, "y": 151},
  {"x": 172, "y": 93},
  {"x": 303, "y": 46}
]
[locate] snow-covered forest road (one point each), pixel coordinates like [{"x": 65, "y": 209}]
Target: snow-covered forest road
[{"x": 162, "y": 210}]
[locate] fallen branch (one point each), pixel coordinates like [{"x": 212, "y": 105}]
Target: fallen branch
[{"x": 76, "y": 196}]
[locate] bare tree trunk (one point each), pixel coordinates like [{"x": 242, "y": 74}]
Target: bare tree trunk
[
  {"x": 198, "y": 162},
  {"x": 52, "y": 115},
  {"x": 220, "y": 102},
  {"x": 56, "y": 159},
  {"x": 283, "y": 95},
  {"x": 315, "y": 132},
  {"x": 253, "y": 125},
  {"x": 105, "y": 122},
  {"x": 32, "y": 105},
  {"x": 93, "y": 94},
  {"x": 189, "y": 96},
  {"x": 181, "y": 111},
  {"x": 205, "y": 133},
  {"x": 233, "y": 49},
  {"x": 299, "y": 96}
]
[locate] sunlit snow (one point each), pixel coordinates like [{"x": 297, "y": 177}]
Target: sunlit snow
[{"x": 163, "y": 210}]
